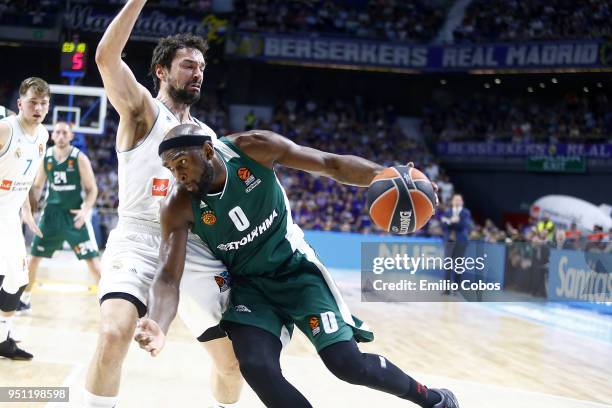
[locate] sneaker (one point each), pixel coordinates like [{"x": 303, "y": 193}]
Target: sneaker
[
  {"x": 24, "y": 308},
  {"x": 9, "y": 349},
  {"x": 448, "y": 399}
]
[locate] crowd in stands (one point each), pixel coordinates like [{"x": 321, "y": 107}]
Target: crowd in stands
[
  {"x": 101, "y": 152},
  {"x": 342, "y": 127},
  {"x": 392, "y": 20},
  {"x": 189, "y": 6},
  {"x": 544, "y": 232},
  {"x": 514, "y": 20},
  {"x": 34, "y": 13},
  {"x": 497, "y": 117}
]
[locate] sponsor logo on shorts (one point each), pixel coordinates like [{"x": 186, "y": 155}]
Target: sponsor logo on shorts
[
  {"x": 209, "y": 218},
  {"x": 84, "y": 248},
  {"x": 313, "y": 322},
  {"x": 6, "y": 185},
  {"x": 242, "y": 309},
  {"x": 222, "y": 281},
  {"x": 250, "y": 180},
  {"x": 160, "y": 187}
]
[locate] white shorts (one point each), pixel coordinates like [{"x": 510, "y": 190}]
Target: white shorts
[
  {"x": 131, "y": 259},
  {"x": 13, "y": 256}
]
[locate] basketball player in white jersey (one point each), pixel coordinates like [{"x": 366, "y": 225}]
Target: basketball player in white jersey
[
  {"x": 22, "y": 146},
  {"x": 131, "y": 256}
]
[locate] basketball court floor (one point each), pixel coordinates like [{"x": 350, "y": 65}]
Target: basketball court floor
[{"x": 492, "y": 355}]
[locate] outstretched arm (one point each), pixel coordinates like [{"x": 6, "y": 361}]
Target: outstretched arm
[
  {"x": 268, "y": 148},
  {"x": 123, "y": 90},
  {"x": 176, "y": 218},
  {"x": 88, "y": 180},
  {"x": 28, "y": 219},
  {"x": 37, "y": 187}
]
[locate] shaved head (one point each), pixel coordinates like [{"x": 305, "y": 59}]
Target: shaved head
[
  {"x": 186, "y": 135},
  {"x": 187, "y": 152},
  {"x": 184, "y": 129}
]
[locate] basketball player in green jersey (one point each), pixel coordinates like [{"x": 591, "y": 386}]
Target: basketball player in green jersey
[
  {"x": 228, "y": 194},
  {"x": 66, "y": 216}
]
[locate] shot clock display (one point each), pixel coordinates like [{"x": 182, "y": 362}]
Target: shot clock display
[{"x": 73, "y": 59}]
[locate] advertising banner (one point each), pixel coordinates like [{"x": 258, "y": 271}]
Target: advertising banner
[{"x": 355, "y": 53}]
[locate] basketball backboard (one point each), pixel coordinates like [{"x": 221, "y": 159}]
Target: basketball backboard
[{"x": 84, "y": 106}]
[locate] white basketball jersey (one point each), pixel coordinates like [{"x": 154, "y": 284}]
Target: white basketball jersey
[
  {"x": 19, "y": 163},
  {"x": 143, "y": 181}
]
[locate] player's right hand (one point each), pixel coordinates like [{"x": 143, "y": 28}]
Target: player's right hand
[
  {"x": 28, "y": 219},
  {"x": 150, "y": 336}
]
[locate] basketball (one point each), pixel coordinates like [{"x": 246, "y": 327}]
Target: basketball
[{"x": 401, "y": 200}]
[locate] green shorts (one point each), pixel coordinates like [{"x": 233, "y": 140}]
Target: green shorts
[
  {"x": 300, "y": 296},
  {"x": 57, "y": 226}
]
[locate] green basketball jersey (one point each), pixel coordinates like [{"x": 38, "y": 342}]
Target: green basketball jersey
[
  {"x": 248, "y": 226},
  {"x": 64, "y": 180}
]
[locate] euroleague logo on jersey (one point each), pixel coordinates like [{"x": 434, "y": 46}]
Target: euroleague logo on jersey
[
  {"x": 244, "y": 174},
  {"x": 160, "y": 187},
  {"x": 209, "y": 218},
  {"x": 313, "y": 322},
  {"x": 248, "y": 178}
]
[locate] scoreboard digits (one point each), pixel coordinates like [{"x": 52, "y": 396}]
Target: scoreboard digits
[{"x": 73, "y": 59}]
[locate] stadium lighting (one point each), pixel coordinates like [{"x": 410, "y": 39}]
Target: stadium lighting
[
  {"x": 585, "y": 89},
  {"x": 554, "y": 80},
  {"x": 487, "y": 85},
  {"x": 497, "y": 81},
  {"x": 443, "y": 81},
  {"x": 599, "y": 85},
  {"x": 542, "y": 85},
  {"x": 529, "y": 89}
]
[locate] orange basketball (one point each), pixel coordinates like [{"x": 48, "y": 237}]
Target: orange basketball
[{"x": 401, "y": 199}]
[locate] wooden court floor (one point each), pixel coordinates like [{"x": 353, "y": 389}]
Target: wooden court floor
[{"x": 489, "y": 358}]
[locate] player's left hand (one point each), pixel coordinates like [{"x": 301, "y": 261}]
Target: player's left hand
[
  {"x": 434, "y": 185},
  {"x": 150, "y": 336},
  {"x": 28, "y": 219},
  {"x": 80, "y": 216}
]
